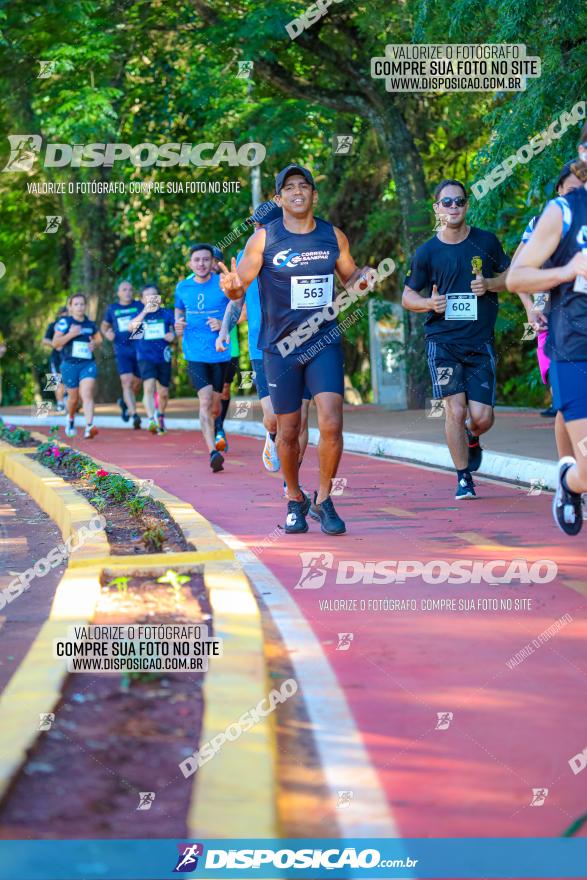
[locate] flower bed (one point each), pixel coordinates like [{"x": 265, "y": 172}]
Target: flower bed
[
  {"x": 15, "y": 436},
  {"x": 135, "y": 523}
]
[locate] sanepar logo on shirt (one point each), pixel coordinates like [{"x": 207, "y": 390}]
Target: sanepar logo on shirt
[{"x": 294, "y": 258}]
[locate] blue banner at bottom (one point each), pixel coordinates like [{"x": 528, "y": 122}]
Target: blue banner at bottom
[{"x": 224, "y": 859}]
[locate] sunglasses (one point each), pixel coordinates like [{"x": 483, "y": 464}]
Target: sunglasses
[{"x": 447, "y": 202}]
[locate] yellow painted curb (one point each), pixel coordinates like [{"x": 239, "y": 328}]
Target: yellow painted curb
[
  {"x": 234, "y": 794},
  {"x": 65, "y": 506},
  {"x": 147, "y": 561},
  {"x": 35, "y": 688}
]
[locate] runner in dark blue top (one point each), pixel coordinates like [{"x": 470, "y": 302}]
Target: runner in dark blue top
[
  {"x": 199, "y": 308},
  {"x": 76, "y": 337},
  {"x": 560, "y": 237},
  {"x": 295, "y": 259},
  {"x": 153, "y": 330},
  {"x": 264, "y": 214},
  {"x": 462, "y": 268},
  {"x": 115, "y": 328}
]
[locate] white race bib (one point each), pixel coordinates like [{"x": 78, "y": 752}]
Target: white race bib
[
  {"x": 461, "y": 307},
  {"x": 580, "y": 284},
  {"x": 311, "y": 291},
  {"x": 123, "y": 323},
  {"x": 154, "y": 329},
  {"x": 81, "y": 349}
]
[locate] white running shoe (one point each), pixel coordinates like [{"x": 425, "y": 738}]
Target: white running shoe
[
  {"x": 90, "y": 432},
  {"x": 70, "y": 430},
  {"x": 270, "y": 457}
]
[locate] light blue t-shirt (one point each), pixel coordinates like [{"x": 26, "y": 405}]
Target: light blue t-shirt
[
  {"x": 253, "y": 316},
  {"x": 200, "y": 302}
]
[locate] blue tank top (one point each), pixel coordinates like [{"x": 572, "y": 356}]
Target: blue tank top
[
  {"x": 567, "y": 323},
  {"x": 296, "y": 281}
]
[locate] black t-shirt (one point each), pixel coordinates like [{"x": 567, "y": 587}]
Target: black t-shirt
[
  {"x": 55, "y": 356},
  {"x": 449, "y": 267}
]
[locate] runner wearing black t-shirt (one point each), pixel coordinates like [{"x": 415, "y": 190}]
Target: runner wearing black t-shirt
[{"x": 462, "y": 268}]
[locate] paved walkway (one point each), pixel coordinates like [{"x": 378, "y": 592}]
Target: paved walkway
[
  {"x": 26, "y": 535},
  {"x": 517, "y": 432},
  {"x": 513, "y": 728}
]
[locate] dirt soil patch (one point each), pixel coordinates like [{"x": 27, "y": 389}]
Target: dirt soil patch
[{"x": 116, "y": 741}]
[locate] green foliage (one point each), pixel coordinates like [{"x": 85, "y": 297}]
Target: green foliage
[
  {"x": 153, "y": 538},
  {"x": 114, "y": 486},
  {"x": 121, "y": 583},
  {"x": 175, "y": 580},
  {"x": 136, "y": 505},
  {"x": 13, "y": 435},
  {"x": 99, "y": 502}
]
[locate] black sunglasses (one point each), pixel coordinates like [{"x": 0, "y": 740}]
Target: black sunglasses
[{"x": 447, "y": 202}]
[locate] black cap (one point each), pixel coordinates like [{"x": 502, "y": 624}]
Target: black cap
[
  {"x": 266, "y": 212},
  {"x": 564, "y": 173},
  {"x": 217, "y": 253},
  {"x": 201, "y": 246},
  {"x": 293, "y": 169}
]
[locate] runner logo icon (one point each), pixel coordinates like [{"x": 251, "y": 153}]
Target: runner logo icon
[
  {"x": 314, "y": 570},
  {"x": 188, "y": 857},
  {"x": 24, "y": 149},
  {"x": 444, "y": 719}
]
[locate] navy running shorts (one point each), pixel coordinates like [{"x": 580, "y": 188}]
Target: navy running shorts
[
  {"x": 288, "y": 378},
  {"x": 569, "y": 388},
  {"x": 161, "y": 372},
  {"x": 455, "y": 369},
  {"x": 203, "y": 374},
  {"x": 260, "y": 380},
  {"x": 126, "y": 360},
  {"x": 72, "y": 372}
]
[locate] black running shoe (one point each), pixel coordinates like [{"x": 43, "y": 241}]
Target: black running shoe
[
  {"x": 567, "y": 509},
  {"x": 136, "y": 422},
  {"x": 216, "y": 461},
  {"x": 295, "y": 521},
  {"x": 123, "y": 409},
  {"x": 475, "y": 452},
  {"x": 465, "y": 488},
  {"x": 330, "y": 522}
]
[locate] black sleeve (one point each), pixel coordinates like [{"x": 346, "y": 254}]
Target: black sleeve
[
  {"x": 50, "y": 331},
  {"x": 418, "y": 276}
]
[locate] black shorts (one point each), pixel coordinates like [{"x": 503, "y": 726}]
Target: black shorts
[
  {"x": 202, "y": 374},
  {"x": 151, "y": 370},
  {"x": 231, "y": 370},
  {"x": 455, "y": 369},
  {"x": 289, "y": 377}
]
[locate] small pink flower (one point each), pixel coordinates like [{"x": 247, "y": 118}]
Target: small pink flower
[{"x": 102, "y": 473}]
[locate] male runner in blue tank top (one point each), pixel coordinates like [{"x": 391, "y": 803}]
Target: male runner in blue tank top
[
  {"x": 560, "y": 236},
  {"x": 295, "y": 259},
  {"x": 265, "y": 213}
]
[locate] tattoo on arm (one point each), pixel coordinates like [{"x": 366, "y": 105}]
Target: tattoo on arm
[{"x": 234, "y": 310}]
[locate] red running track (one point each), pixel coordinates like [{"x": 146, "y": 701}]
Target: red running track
[{"x": 513, "y": 729}]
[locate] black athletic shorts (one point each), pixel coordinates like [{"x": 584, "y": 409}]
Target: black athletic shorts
[
  {"x": 202, "y": 374},
  {"x": 151, "y": 370},
  {"x": 231, "y": 369},
  {"x": 455, "y": 369},
  {"x": 289, "y": 377}
]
